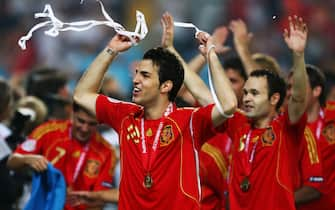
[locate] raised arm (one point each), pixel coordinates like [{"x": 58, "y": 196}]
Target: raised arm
[
  {"x": 220, "y": 35},
  {"x": 197, "y": 63},
  {"x": 85, "y": 93},
  {"x": 221, "y": 83},
  {"x": 242, "y": 39},
  {"x": 296, "y": 39},
  {"x": 192, "y": 81}
]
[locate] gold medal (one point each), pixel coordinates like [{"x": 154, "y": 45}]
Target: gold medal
[
  {"x": 245, "y": 184},
  {"x": 148, "y": 181}
]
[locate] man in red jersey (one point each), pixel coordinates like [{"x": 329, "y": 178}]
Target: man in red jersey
[
  {"x": 265, "y": 143},
  {"x": 75, "y": 148},
  {"x": 317, "y": 188},
  {"x": 158, "y": 141}
]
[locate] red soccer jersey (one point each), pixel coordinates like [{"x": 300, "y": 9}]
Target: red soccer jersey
[
  {"x": 326, "y": 142},
  {"x": 264, "y": 163},
  {"x": 310, "y": 168},
  {"x": 53, "y": 141},
  {"x": 214, "y": 166},
  {"x": 174, "y": 171}
]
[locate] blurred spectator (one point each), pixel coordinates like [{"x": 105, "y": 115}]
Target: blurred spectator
[
  {"x": 50, "y": 85},
  {"x": 86, "y": 160}
]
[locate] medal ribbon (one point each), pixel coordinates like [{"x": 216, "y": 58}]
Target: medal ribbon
[
  {"x": 149, "y": 160},
  {"x": 249, "y": 158},
  {"x": 80, "y": 163},
  {"x": 319, "y": 124}
]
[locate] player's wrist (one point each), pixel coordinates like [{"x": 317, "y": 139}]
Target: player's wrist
[{"x": 111, "y": 51}]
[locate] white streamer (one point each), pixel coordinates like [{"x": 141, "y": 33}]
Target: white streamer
[
  {"x": 57, "y": 26},
  {"x": 211, "y": 87},
  {"x": 188, "y": 25}
]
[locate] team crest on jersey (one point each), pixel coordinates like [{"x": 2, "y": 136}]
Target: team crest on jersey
[
  {"x": 329, "y": 133},
  {"x": 167, "y": 135},
  {"x": 133, "y": 133},
  {"x": 268, "y": 137},
  {"x": 92, "y": 168}
]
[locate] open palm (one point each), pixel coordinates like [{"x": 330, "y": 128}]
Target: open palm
[
  {"x": 168, "y": 30},
  {"x": 296, "y": 37}
]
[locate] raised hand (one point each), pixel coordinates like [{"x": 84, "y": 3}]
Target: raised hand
[
  {"x": 220, "y": 36},
  {"x": 242, "y": 37},
  {"x": 168, "y": 30},
  {"x": 120, "y": 43},
  {"x": 207, "y": 42},
  {"x": 296, "y": 36},
  {"x": 217, "y": 40}
]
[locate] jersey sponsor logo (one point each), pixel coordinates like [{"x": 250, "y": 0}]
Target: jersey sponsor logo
[
  {"x": 76, "y": 154},
  {"x": 107, "y": 184},
  {"x": 92, "y": 168},
  {"x": 268, "y": 137},
  {"x": 133, "y": 133},
  {"x": 329, "y": 133},
  {"x": 167, "y": 135},
  {"x": 149, "y": 132},
  {"x": 317, "y": 179},
  {"x": 29, "y": 145}
]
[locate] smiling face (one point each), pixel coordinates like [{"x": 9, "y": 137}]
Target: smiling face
[
  {"x": 256, "y": 103},
  {"x": 146, "y": 83},
  {"x": 83, "y": 125}
]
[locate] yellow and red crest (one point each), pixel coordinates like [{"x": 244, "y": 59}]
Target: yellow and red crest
[
  {"x": 166, "y": 136},
  {"x": 92, "y": 168}
]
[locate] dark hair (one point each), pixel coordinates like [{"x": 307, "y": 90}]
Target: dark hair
[
  {"x": 76, "y": 108},
  {"x": 317, "y": 78},
  {"x": 169, "y": 68},
  {"x": 5, "y": 96},
  {"x": 45, "y": 81},
  {"x": 330, "y": 82},
  {"x": 236, "y": 65},
  {"x": 276, "y": 84}
]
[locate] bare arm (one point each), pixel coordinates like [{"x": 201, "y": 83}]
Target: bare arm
[
  {"x": 296, "y": 39},
  {"x": 197, "y": 63},
  {"x": 195, "y": 85},
  {"x": 85, "y": 93},
  {"x": 36, "y": 162},
  {"x": 191, "y": 79},
  {"x": 222, "y": 86},
  {"x": 242, "y": 39},
  {"x": 220, "y": 35}
]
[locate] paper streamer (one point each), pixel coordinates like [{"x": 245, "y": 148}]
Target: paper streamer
[
  {"x": 211, "y": 87},
  {"x": 57, "y": 26},
  {"x": 188, "y": 25}
]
